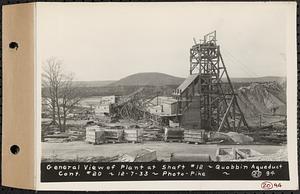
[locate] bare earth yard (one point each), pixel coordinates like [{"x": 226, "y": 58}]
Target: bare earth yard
[{"x": 72, "y": 150}]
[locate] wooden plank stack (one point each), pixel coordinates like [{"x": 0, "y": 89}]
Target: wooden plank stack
[
  {"x": 94, "y": 135},
  {"x": 194, "y": 136},
  {"x": 173, "y": 134},
  {"x": 153, "y": 134},
  {"x": 133, "y": 135},
  {"x": 114, "y": 135}
]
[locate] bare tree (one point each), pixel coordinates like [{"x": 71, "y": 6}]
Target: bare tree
[
  {"x": 69, "y": 96},
  {"x": 62, "y": 97},
  {"x": 51, "y": 79}
]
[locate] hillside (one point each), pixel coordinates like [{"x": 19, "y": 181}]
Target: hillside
[
  {"x": 148, "y": 79},
  {"x": 257, "y": 79},
  {"x": 156, "y": 82},
  {"x": 92, "y": 83},
  {"x": 161, "y": 79}
]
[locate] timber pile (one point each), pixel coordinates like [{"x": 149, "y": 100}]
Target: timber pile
[
  {"x": 275, "y": 139},
  {"x": 114, "y": 135},
  {"x": 133, "y": 135},
  {"x": 94, "y": 135},
  {"x": 57, "y": 136},
  {"x": 194, "y": 135},
  {"x": 76, "y": 135},
  {"x": 81, "y": 159},
  {"x": 153, "y": 134},
  {"x": 269, "y": 136},
  {"x": 173, "y": 134}
]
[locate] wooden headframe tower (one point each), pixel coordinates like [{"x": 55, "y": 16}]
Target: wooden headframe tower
[{"x": 209, "y": 89}]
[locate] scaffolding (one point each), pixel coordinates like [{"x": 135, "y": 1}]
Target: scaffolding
[{"x": 210, "y": 85}]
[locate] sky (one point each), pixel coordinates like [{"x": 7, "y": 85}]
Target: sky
[{"x": 109, "y": 41}]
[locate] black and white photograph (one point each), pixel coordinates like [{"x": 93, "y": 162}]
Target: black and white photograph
[
  {"x": 163, "y": 90},
  {"x": 163, "y": 83}
]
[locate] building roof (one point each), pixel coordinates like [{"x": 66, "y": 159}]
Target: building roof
[
  {"x": 159, "y": 100},
  {"x": 163, "y": 100},
  {"x": 187, "y": 82}
]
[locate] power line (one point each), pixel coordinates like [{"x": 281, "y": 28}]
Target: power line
[
  {"x": 231, "y": 61},
  {"x": 239, "y": 62}
]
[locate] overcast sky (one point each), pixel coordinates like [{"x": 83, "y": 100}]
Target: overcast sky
[{"x": 109, "y": 41}]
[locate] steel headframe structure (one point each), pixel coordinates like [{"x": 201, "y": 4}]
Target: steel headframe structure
[{"x": 219, "y": 108}]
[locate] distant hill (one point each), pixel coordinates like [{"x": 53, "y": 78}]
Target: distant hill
[
  {"x": 258, "y": 79},
  {"x": 92, "y": 83},
  {"x": 161, "y": 79},
  {"x": 148, "y": 79}
]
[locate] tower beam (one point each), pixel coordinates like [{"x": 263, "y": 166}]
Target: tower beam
[{"x": 218, "y": 105}]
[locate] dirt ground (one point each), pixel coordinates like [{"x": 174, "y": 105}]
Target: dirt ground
[{"x": 73, "y": 150}]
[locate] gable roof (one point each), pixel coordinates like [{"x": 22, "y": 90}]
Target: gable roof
[
  {"x": 187, "y": 82},
  {"x": 159, "y": 100}
]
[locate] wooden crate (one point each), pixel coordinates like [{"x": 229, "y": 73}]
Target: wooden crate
[
  {"x": 153, "y": 134},
  {"x": 133, "y": 135},
  {"x": 173, "y": 134},
  {"x": 94, "y": 135},
  {"x": 114, "y": 135},
  {"x": 194, "y": 135}
]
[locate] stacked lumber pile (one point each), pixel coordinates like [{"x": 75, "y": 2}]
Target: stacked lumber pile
[
  {"x": 113, "y": 135},
  {"x": 173, "y": 134},
  {"x": 153, "y": 134},
  {"x": 56, "y": 138},
  {"x": 94, "y": 135},
  {"x": 194, "y": 136},
  {"x": 52, "y": 158},
  {"x": 268, "y": 136},
  {"x": 133, "y": 135}
]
